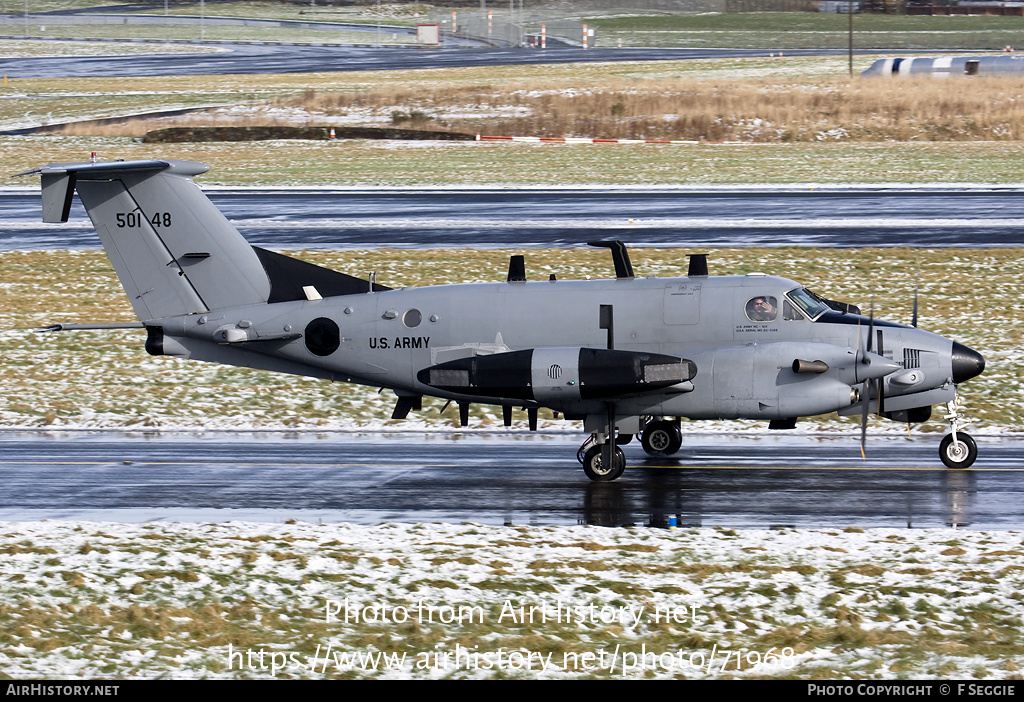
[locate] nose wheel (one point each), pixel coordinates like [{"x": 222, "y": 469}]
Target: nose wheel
[{"x": 957, "y": 449}]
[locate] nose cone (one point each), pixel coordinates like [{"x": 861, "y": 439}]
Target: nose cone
[{"x": 967, "y": 363}]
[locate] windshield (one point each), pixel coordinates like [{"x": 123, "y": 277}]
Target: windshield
[{"x": 807, "y": 302}]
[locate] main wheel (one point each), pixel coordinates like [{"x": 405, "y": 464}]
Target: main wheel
[
  {"x": 959, "y": 454},
  {"x": 594, "y": 467},
  {"x": 662, "y": 438}
]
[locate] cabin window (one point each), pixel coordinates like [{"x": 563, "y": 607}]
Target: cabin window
[
  {"x": 790, "y": 314},
  {"x": 807, "y": 302},
  {"x": 762, "y": 308}
]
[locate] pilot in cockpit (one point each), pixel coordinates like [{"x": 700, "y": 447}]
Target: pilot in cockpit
[{"x": 761, "y": 309}]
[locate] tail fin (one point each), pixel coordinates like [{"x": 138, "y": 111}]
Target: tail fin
[{"x": 174, "y": 252}]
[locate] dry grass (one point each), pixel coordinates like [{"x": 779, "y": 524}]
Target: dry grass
[
  {"x": 761, "y": 110},
  {"x": 752, "y": 110}
]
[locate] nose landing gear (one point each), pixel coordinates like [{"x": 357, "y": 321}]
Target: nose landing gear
[{"x": 957, "y": 449}]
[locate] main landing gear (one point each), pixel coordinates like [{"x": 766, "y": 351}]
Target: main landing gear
[
  {"x": 662, "y": 437},
  {"x": 957, "y": 449},
  {"x": 590, "y": 455},
  {"x": 593, "y": 464}
]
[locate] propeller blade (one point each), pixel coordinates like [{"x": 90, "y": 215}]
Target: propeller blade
[
  {"x": 871, "y": 330},
  {"x": 881, "y": 380},
  {"x": 866, "y": 399},
  {"x": 864, "y": 357},
  {"x": 913, "y": 322},
  {"x": 866, "y": 390}
]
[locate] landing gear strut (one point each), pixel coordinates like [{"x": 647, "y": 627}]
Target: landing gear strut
[
  {"x": 594, "y": 465},
  {"x": 957, "y": 449},
  {"x": 590, "y": 456}
]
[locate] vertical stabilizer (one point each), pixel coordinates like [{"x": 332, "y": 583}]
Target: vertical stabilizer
[{"x": 174, "y": 252}]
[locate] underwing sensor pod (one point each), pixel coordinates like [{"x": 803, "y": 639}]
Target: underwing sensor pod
[
  {"x": 624, "y": 355},
  {"x": 560, "y": 374}
]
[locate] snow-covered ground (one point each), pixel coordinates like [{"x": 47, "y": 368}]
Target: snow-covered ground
[{"x": 241, "y": 600}]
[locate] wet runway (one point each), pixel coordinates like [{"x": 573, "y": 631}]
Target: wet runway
[
  {"x": 514, "y": 479},
  {"x": 508, "y": 217}
]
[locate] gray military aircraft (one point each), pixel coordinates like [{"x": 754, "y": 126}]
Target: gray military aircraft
[{"x": 626, "y": 355}]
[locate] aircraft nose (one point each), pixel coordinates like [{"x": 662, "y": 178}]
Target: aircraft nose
[{"x": 967, "y": 363}]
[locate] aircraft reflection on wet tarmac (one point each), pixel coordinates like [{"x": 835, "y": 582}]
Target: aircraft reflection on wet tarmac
[
  {"x": 774, "y": 498},
  {"x": 373, "y": 478}
]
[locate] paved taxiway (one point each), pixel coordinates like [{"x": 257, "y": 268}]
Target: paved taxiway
[
  {"x": 352, "y": 218},
  {"x": 521, "y": 479},
  {"x": 284, "y": 58}
]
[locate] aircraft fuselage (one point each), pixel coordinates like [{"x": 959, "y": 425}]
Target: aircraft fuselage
[{"x": 744, "y": 366}]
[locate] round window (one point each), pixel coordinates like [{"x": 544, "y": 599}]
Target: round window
[
  {"x": 322, "y": 337},
  {"x": 412, "y": 318}
]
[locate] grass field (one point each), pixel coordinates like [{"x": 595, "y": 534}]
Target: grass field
[
  {"x": 797, "y": 120},
  {"x": 438, "y": 601},
  {"x": 369, "y": 163}
]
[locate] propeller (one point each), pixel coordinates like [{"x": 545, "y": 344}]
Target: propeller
[
  {"x": 913, "y": 323},
  {"x": 870, "y": 384},
  {"x": 865, "y": 386}
]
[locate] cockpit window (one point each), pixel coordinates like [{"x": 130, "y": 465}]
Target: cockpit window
[
  {"x": 807, "y": 302},
  {"x": 762, "y": 308}
]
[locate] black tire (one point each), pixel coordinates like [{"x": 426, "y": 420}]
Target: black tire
[
  {"x": 592, "y": 465},
  {"x": 662, "y": 438},
  {"x": 959, "y": 455}
]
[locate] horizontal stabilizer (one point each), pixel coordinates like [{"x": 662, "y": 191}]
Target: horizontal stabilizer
[
  {"x": 59, "y": 182},
  {"x": 89, "y": 326},
  {"x": 173, "y": 251}
]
